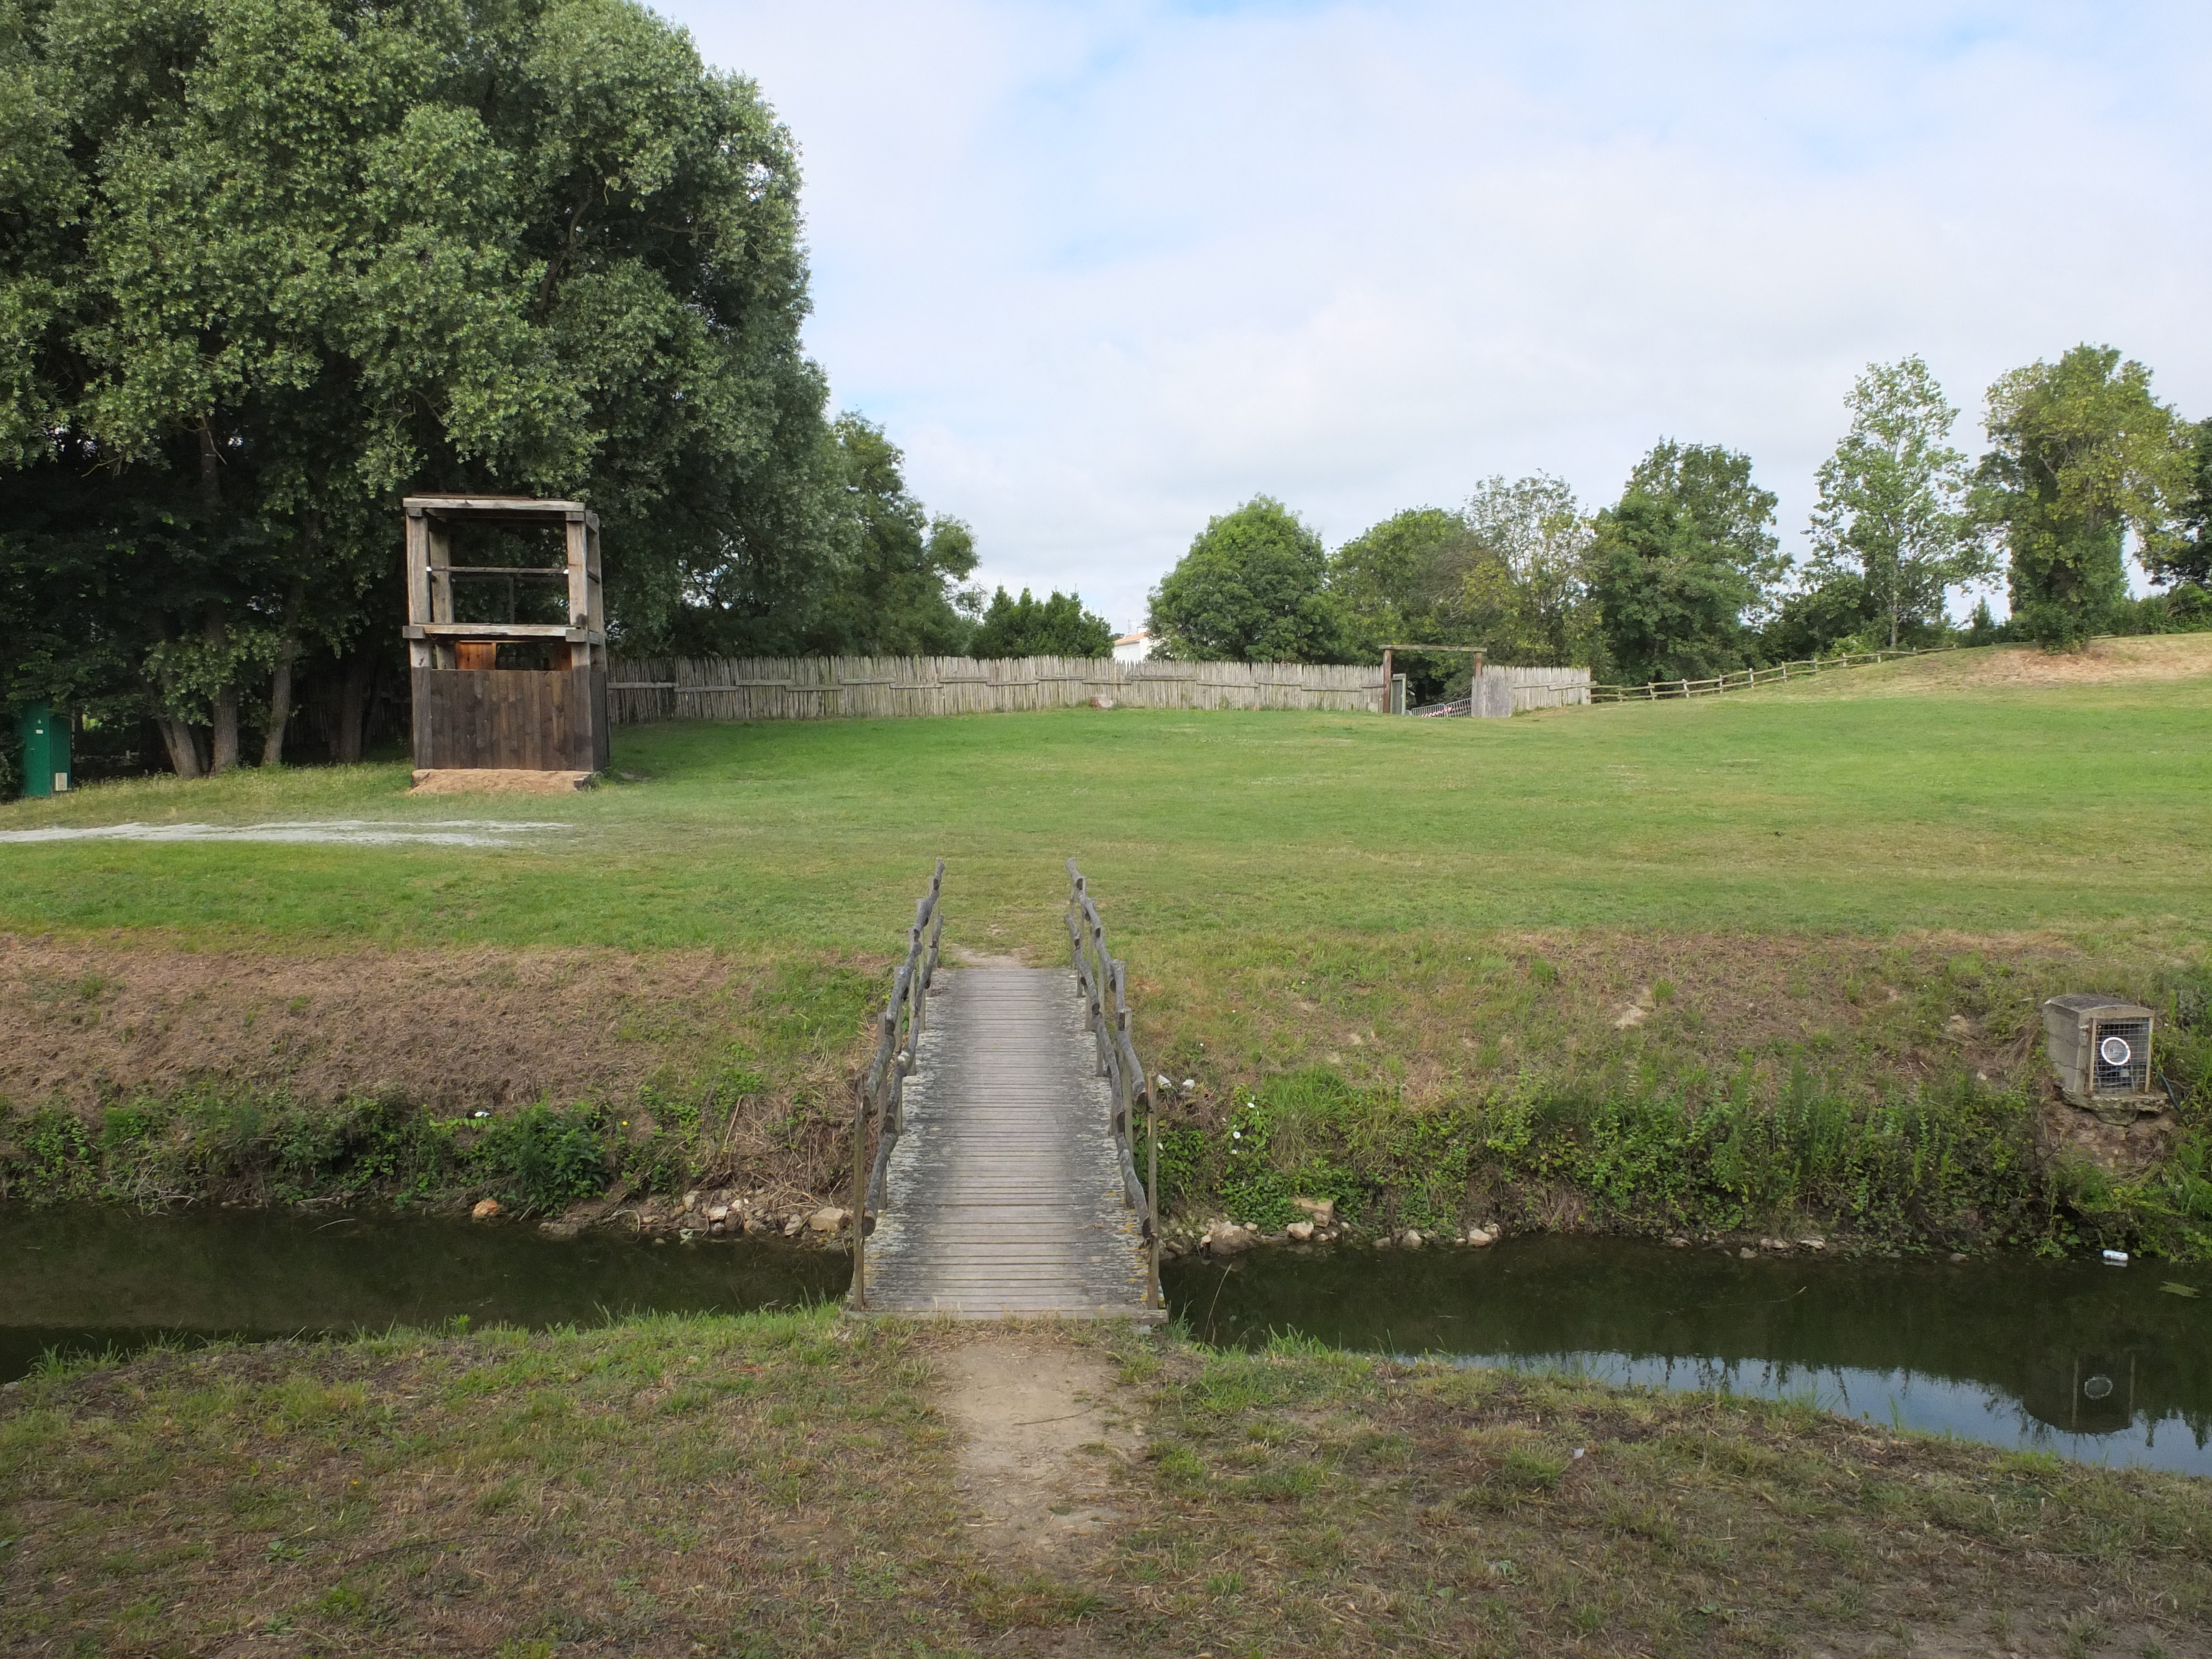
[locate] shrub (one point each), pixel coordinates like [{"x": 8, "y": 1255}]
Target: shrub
[{"x": 542, "y": 1159}]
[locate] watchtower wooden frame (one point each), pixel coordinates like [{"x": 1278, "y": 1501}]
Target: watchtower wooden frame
[{"x": 553, "y": 720}]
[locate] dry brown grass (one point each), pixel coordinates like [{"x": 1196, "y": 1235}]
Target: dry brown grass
[
  {"x": 451, "y": 1029},
  {"x": 1441, "y": 1017},
  {"x": 786, "y": 1485},
  {"x": 2101, "y": 662}
]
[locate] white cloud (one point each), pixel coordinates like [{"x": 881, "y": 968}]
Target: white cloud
[{"x": 1105, "y": 270}]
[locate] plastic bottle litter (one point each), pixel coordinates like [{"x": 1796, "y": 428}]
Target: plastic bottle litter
[{"x": 2116, "y": 1258}]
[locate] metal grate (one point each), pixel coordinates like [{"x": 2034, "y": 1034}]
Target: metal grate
[{"x": 2120, "y": 1075}]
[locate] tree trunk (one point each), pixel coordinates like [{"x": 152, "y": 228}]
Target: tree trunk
[
  {"x": 280, "y": 684},
  {"x": 222, "y": 744},
  {"x": 353, "y": 709},
  {"x": 184, "y": 748}
]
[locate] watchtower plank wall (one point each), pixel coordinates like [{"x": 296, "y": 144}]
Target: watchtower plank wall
[{"x": 470, "y": 713}]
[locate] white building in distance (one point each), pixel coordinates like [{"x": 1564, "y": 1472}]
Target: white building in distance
[{"x": 1133, "y": 647}]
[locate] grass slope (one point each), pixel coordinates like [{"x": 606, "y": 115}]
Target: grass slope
[{"x": 1526, "y": 967}]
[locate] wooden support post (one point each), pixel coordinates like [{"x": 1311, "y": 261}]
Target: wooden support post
[
  {"x": 1152, "y": 1186},
  {"x": 438, "y": 542},
  {"x": 421, "y": 653},
  {"x": 1386, "y": 708},
  {"x": 860, "y": 1200}
]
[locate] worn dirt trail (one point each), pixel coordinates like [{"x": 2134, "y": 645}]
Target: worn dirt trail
[{"x": 1040, "y": 1434}]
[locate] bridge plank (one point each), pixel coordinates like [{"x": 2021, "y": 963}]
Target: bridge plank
[{"x": 1003, "y": 1192}]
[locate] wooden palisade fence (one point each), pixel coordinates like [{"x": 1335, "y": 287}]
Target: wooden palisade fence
[
  {"x": 822, "y": 688},
  {"x": 898, "y": 1032},
  {"x": 1744, "y": 679},
  {"x": 643, "y": 689},
  {"x": 1099, "y": 977}
]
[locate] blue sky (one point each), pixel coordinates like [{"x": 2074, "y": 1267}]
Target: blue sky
[{"x": 1106, "y": 270}]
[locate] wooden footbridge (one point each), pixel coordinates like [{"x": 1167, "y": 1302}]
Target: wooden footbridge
[{"x": 994, "y": 1139}]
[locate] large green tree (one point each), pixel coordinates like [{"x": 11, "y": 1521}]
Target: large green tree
[
  {"x": 1527, "y": 597},
  {"x": 1891, "y": 528},
  {"x": 1253, "y": 588},
  {"x": 1029, "y": 626},
  {"x": 1507, "y": 572},
  {"x": 1398, "y": 579},
  {"x": 1684, "y": 563},
  {"x": 2184, "y": 560},
  {"x": 265, "y": 265},
  {"x": 898, "y": 591},
  {"x": 2080, "y": 454}
]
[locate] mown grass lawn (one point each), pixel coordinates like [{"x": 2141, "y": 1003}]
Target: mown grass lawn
[
  {"x": 2082, "y": 811},
  {"x": 783, "y": 1485},
  {"x": 1831, "y": 893}
]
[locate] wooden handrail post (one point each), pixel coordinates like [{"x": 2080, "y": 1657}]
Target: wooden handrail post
[
  {"x": 881, "y": 1089},
  {"x": 1152, "y": 1185},
  {"x": 860, "y": 1199}
]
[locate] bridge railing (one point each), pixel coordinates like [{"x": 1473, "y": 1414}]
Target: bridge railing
[
  {"x": 1103, "y": 983},
  {"x": 883, "y": 1091}
]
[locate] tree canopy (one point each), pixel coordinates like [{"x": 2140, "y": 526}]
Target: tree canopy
[
  {"x": 2186, "y": 560},
  {"x": 1506, "y": 573},
  {"x": 265, "y": 265},
  {"x": 1891, "y": 535},
  {"x": 1253, "y": 588},
  {"x": 2080, "y": 454},
  {"x": 1684, "y": 563},
  {"x": 1028, "y": 627}
]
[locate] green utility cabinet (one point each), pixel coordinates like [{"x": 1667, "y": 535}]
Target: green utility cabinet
[{"x": 45, "y": 751}]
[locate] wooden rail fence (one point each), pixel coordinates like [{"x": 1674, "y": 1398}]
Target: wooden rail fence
[
  {"x": 898, "y": 1028},
  {"x": 643, "y": 689},
  {"x": 1099, "y": 976},
  {"x": 1744, "y": 679}
]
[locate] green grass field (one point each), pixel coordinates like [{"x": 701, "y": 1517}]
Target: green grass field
[
  {"x": 2078, "y": 811},
  {"x": 1808, "y": 907}
]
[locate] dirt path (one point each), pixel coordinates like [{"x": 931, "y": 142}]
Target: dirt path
[{"x": 1041, "y": 1432}]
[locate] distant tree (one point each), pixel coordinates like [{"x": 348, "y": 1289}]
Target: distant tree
[
  {"x": 1395, "y": 581},
  {"x": 1253, "y": 588},
  {"x": 1684, "y": 563},
  {"x": 1507, "y": 572},
  {"x": 2185, "y": 561},
  {"x": 898, "y": 592},
  {"x": 1027, "y": 627},
  {"x": 1526, "y": 598},
  {"x": 2080, "y": 454},
  {"x": 1891, "y": 535}
]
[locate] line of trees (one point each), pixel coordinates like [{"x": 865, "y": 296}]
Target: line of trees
[
  {"x": 1682, "y": 575},
  {"x": 267, "y": 266}
]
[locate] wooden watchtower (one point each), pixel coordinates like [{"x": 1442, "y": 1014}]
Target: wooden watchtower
[{"x": 471, "y": 711}]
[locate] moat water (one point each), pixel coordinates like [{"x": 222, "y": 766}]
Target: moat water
[{"x": 2101, "y": 1363}]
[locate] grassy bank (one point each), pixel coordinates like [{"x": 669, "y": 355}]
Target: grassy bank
[
  {"x": 783, "y": 1484},
  {"x": 1695, "y": 965}
]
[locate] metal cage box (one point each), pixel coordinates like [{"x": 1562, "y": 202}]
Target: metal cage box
[{"x": 2101, "y": 1048}]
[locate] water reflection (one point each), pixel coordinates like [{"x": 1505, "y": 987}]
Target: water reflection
[
  {"x": 2091, "y": 1362},
  {"x": 91, "y": 1279},
  {"x": 2094, "y": 1363}
]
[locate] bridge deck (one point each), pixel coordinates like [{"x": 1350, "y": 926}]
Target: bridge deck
[{"x": 1003, "y": 1195}]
